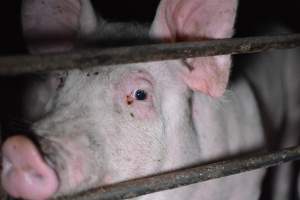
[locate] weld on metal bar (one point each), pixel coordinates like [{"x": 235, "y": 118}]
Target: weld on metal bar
[
  {"x": 12, "y": 65},
  {"x": 183, "y": 177}
]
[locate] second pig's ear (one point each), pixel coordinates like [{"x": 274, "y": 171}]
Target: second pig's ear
[
  {"x": 55, "y": 25},
  {"x": 194, "y": 20}
]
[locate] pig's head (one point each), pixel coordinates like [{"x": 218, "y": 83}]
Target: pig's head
[{"x": 109, "y": 124}]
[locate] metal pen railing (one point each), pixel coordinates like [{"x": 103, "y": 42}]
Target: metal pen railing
[
  {"x": 14, "y": 65},
  {"x": 170, "y": 180}
]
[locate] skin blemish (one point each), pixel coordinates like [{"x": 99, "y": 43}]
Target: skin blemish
[
  {"x": 61, "y": 82},
  {"x": 132, "y": 115},
  {"x": 88, "y": 74},
  {"x": 129, "y": 100},
  {"x": 96, "y": 73}
]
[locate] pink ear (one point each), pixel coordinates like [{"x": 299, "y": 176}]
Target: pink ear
[
  {"x": 187, "y": 20},
  {"x": 54, "y": 25}
]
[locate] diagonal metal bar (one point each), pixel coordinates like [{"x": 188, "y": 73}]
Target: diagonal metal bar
[
  {"x": 184, "y": 177},
  {"x": 12, "y": 65}
]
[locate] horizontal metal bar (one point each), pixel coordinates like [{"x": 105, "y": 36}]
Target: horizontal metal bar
[
  {"x": 12, "y": 65},
  {"x": 184, "y": 177}
]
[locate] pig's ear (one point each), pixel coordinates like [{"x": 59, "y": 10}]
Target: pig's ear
[
  {"x": 192, "y": 20},
  {"x": 55, "y": 25}
]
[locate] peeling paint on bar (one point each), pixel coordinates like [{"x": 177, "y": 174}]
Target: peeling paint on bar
[
  {"x": 184, "y": 177},
  {"x": 13, "y": 65}
]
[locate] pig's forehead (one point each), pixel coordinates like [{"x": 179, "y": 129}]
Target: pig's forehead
[{"x": 158, "y": 70}]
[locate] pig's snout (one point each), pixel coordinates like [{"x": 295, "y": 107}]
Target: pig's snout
[{"x": 25, "y": 174}]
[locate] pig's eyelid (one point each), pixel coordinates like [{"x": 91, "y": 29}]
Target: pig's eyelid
[{"x": 146, "y": 80}]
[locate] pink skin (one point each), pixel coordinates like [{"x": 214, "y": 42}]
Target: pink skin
[
  {"x": 25, "y": 174},
  {"x": 125, "y": 94}
]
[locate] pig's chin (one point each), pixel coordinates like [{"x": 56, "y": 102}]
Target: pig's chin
[{"x": 25, "y": 173}]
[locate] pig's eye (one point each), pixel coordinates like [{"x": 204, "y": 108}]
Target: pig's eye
[{"x": 140, "y": 95}]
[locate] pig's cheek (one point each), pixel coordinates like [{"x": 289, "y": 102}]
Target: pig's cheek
[
  {"x": 75, "y": 165},
  {"x": 76, "y": 171},
  {"x": 142, "y": 111}
]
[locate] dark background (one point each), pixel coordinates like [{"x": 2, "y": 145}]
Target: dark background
[{"x": 251, "y": 12}]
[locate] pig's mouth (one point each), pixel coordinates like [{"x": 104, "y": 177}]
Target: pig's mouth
[{"x": 26, "y": 174}]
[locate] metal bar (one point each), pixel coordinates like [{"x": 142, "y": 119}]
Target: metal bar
[
  {"x": 184, "y": 177},
  {"x": 12, "y": 65}
]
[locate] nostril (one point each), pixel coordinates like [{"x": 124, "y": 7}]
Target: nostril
[{"x": 38, "y": 176}]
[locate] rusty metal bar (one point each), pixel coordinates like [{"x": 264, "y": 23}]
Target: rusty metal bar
[
  {"x": 184, "y": 177},
  {"x": 12, "y": 65}
]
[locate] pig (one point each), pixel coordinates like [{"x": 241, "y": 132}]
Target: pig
[
  {"x": 108, "y": 124},
  {"x": 274, "y": 78}
]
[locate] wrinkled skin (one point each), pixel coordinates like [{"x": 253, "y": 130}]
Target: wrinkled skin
[{"x": 109, "y": 124}]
